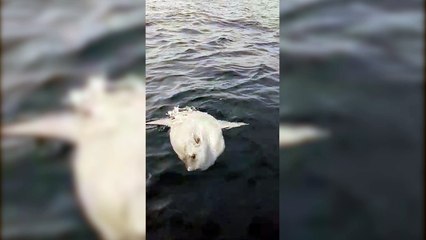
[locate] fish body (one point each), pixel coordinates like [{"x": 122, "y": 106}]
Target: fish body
[
  {"x": 107, "y": 128},
  {"x": 196, "y": 136}
]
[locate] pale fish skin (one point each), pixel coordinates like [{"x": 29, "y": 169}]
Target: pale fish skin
[
  {"x": 108, "y": 129},
  {"x": 196, "y": 136},
  {"x": 292, "y": 135}
]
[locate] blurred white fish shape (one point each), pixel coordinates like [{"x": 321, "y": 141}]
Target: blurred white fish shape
[
  {"x": 196, "y": 136},
  {"x": 292, "y": 135},
  {"x": 107, "y": 126}
]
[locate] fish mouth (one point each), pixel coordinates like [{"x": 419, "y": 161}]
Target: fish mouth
[{"x": 189, "y": 168}]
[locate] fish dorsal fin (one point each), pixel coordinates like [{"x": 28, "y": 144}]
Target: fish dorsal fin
[
  {"x": 291, "y": 135},
  {"x": 229, "y": 125},
  {"x": 164, "y": 122},
  {"x": 56, "y": 126}
]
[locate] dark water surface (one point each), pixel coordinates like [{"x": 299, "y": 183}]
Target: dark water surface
[
  {"x": 221, "y": 57},
  {"x": 355, "y": 69}
]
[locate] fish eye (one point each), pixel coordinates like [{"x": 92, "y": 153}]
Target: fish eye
[
  {"x": 197, "y": 140},
  {"x": 85, "y": 112},
  {"x": 193, "y": 156}
]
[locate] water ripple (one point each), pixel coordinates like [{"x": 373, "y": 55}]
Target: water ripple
[{"x": 225, "y": 61}]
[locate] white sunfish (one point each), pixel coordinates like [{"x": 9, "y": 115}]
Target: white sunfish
[
  {"x": 107, "y": 126},
  {"x": 196, "y": 136}
]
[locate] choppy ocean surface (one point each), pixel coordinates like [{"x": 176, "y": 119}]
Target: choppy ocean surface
[
  {"x": 354, "y": 68},
  {"x": 221, "y": 57}
]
